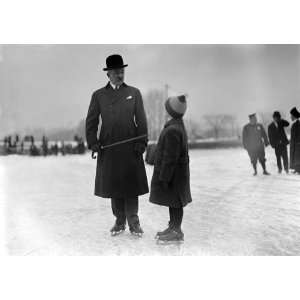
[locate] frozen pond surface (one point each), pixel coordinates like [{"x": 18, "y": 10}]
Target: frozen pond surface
[{"x": 50, "y": 209}]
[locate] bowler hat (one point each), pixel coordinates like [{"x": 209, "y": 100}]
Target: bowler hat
[
  {"x": 294, "y": 112},
  {"x": 114, "y": 61}
]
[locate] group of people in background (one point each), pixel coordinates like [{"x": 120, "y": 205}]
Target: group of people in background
[
  {"x": 255, "y": 139},
  {"x": 28, "y": 146}
]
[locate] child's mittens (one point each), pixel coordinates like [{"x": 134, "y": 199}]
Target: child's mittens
[{"x": 139, "y": 148}]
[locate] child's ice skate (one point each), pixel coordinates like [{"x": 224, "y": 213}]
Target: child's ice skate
[
  {"x": 171, "y": 237},
  {"x": 160, "y": 233}
]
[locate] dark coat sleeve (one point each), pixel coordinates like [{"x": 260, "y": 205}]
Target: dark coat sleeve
[
  {"x": 284, "y": 123},
  {"x": 170, "y": 156},
  {"x": 92, "y": 122},
  {"x": 140, "y": 117},
  {"x": 264, "y": 136},
  {"x": 271, "y": 136},
  {"x": 245, "y": 137},
  {"x": 292, "y": 146}
]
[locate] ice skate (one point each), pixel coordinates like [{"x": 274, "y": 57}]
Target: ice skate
[
  {"x": 266, "y": 172},
  {"x": 172, "y": 237},
  {"x": 160, "y": 233},
  {"x": 136, "y": 230},
  {"x": 117, "y": 229}
]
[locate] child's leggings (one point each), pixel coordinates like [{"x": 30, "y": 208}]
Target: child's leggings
[{"x": 176, "y": 215}]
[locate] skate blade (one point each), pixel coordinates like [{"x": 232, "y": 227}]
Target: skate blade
[
  {"x": 157, "y": 236},
  {"x": 115, "y": 233},
  {"x": 137, "y": 234},
  {"x": 177, "y": 242}
]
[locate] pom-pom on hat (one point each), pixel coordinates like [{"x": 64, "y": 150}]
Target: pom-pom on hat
[{"x": 176, "y": 106}]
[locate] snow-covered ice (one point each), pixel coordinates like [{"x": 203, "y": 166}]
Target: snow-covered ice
[{"x": 50, "y": 209}]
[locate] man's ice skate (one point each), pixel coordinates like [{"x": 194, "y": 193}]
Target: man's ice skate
[
  {"x": 265, "y": 172},
  {"x": 136, "y": 230},
  {"x": 117, "y": 229},
  {"x": 173, "y": 236}
]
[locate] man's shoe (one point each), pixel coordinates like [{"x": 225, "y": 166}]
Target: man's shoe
[
  {"x": 266, "y": 172},
  {"x": 117, "y": 229},
  {"x": 135, "y": 229},
  {"x": 279, "y": 171}
]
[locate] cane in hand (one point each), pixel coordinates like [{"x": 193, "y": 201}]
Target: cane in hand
[{"x": 119, "y": 143}]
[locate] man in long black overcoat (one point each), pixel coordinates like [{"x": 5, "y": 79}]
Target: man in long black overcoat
[
  {"x": 120, "y": 173},
  {"x": 295, "y": 141},
  {"x": 279, "y": 140},
  {"x": 254, "y": 141}
]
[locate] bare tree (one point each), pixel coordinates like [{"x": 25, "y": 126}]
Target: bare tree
[
  {"x": 192, "y": 129},
  {"x": 264, "y": 118},
  {"x": 155, "y": 111},
  {"x": 222, "y": 124}
]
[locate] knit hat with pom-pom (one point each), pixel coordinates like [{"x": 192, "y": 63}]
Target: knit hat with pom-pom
[{"x": 176, "y": 106}]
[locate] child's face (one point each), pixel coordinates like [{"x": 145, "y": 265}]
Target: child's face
[{"x": 168, "y": 116}]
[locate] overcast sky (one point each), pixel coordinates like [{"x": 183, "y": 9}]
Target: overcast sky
[{"x": 51, "y": 85}]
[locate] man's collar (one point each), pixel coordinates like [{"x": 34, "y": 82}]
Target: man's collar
[{"x": 112, "y": 86}]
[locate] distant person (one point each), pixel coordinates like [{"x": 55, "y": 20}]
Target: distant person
[
  {"x": 120, "y": 173},
  {"x": 295, "y": 141},
  {"x": 279, "y": 141},
  {"x": 254, "y": 141},
  {"x": 55, "y": 148},
  {"x": 9, "y": 141},
  {"x": 45, "y": 145},
  {"x": 63, "y": 148},
  {"x": 5, "y": 142},
  {"x": 170, "y": 185}
]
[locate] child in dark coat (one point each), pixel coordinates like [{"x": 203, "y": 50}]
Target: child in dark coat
[{"x": 170, "y": 184}]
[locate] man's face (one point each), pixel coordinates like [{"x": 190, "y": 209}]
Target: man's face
[
  {"x": 116, "y": 76},
  {"x": 276, "y": 119},
  {"x": 253, "y": 120},
  {"x": 293, "y": 118}
]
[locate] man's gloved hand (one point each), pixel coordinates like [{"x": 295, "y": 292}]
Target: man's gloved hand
[
  {"x": 95, "y": 149},
  {"x": 139, "y": 148}
]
